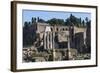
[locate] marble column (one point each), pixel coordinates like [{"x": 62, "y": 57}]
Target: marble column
[
  {"x": 84, "y": 37},
  {"x": 44, "y": 40},
  {"x": 47, "y": 40},
  {"x": 53, "y": 43},
  {"x": 68, "y": 43},
  {"x": 69, "y": 52},
  {"x": 50, "y": 40},
  {"x": 53, "y": 40}
]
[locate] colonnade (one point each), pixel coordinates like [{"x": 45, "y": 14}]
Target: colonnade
[{"x": 48, "y": 40}]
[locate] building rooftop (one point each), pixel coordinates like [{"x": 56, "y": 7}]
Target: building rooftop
[{"x": 38, "y": 23}]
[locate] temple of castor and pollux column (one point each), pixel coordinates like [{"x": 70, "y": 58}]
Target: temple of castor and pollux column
[{"x": 56, "y": 43}]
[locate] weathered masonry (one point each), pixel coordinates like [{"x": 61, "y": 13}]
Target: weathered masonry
[{"x": 60, "y": 37}]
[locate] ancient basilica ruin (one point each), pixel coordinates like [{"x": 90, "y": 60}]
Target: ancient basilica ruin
[{"x": 56, "y": 43}]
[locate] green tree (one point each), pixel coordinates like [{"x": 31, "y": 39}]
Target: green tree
[
  {"x": 86, "y": 19},
  {"x": 72, "y": 20},
  {"x": 33, "y": 20},
  {"x": 26, "y": 25},
  {"x": 28, "y": 34},
  {"x": 83, "y": 23},
  {"x": 80, "y": 21},
  {"x": 55, "y": 21},
  {"x": 41, "y": 20},
  {"x": 68, "y": 22}
]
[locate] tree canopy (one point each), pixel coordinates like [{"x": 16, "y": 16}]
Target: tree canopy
[
  {"x": 71, "y": 20},
  {"x": 55, "y": 21}
]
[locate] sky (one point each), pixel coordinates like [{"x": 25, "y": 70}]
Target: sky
[{"x": 46, "y": 15}]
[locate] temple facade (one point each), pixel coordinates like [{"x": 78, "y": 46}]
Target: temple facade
[
  {"x": 56, "y": 43},
  {"x": 61, "y": 37},
  {"x": 54, "y": 36}
]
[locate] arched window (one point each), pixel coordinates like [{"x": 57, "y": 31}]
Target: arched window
[
  {"x": 56, "y": 29},
  {"x": 63, "y": 29},
  {"x": 51, "y": 29}
]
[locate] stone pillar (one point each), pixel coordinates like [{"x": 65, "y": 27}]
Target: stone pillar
[
  {"x": 50, "y": 40},
  {"x": 53, "y": 43},
  {"x": 69, "y": 52},
  {"x": 84, "y": 37},
  {"x": 44, "y": 40},
  {"x": 68, "y": 43},
  {"x": 53, "y": 39},
  {"x": 54, "y": 54}
]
